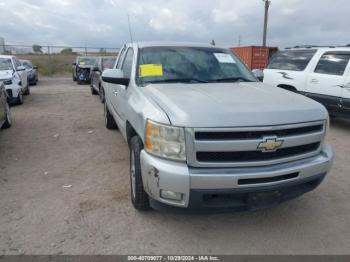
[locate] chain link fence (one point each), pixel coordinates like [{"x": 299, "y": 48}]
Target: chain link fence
[{"x": 53, "y": 59}]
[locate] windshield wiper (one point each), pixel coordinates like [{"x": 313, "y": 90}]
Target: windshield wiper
[
  {"x": 178, "y": 80},
  {"x": 232, "y": 79}
]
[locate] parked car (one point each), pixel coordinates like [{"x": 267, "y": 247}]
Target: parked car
[
  {"x": 321, "y": 73},
  {"x": 5, "y": 113},
  {"x": 14, "y": 76},
  {"x": 204, "y": 134},
  {"x": 105, "y": 62},
  {"x": 32, "y": 71},
  {"x": 82, "y": 69}
]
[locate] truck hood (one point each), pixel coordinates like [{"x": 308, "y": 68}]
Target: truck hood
[
  {"x": 233, "y": 104},
  {"x": 6, "y": 74}
]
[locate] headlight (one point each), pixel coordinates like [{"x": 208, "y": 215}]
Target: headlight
[
  {"x": 165, "y": 141},
  {"x": 8, "y": 82}
]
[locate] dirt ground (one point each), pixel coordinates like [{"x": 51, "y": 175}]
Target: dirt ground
[{"x": 64, "y": 189}]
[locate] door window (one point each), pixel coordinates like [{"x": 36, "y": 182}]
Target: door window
[
  {"x": 17, "y": 62},
  {"x": 333, "y": 63},
  {"x": 120, "y": 58},
  {"x": 127, "y": 65}
]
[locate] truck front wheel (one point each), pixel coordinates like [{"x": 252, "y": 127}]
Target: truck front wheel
[
  {"x": 109, "y": 120},
  {"x": 139, "y": 197}
]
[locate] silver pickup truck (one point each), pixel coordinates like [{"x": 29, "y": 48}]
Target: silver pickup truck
[{"x": 204, "y": 134}]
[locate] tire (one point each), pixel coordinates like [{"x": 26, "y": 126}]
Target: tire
[
  {"x": 93, "y": 91},
  {"x": 139, "y": 197},
  {"x": 27, "y": 92},
  {"x": 20, "y": 98},
  {"x": 102, "y": 94},
  {"x": 109, "y": 120},
  {"x": 8, "y": 120}
]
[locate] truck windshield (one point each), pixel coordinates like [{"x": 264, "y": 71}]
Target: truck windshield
[
  {"x": 190, "y": 65},
  {"x": 5, "y": 64},
  {"x": 108, "y": 63},
  {"x": 90, "y": 61},
  {"x": 293, "y": 60},
  {"x": 27, "y": 64}
]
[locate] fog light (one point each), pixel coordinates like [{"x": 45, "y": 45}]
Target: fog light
[{"x": 166, "y": 194}]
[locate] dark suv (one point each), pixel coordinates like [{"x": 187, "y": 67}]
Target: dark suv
[{"x": 82, "y": 68}]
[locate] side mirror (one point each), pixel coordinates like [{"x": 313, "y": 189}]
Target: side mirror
[
  {"x": 35, "y": 67},
  {"x": 20, "y": 68},
  {"x": 115, "y": 76},
  {"x": 258, "y": 73},
  {"x": 95, "y": 69},
  {"x": 74, "y": 63}
]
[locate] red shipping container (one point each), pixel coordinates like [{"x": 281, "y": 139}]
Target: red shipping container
[{"x": 255, "y": 57}]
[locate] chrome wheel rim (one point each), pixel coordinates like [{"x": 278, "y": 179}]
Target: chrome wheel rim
[
  {"x": 133, "y": 174},
  {"x": 8, "y": 114}
]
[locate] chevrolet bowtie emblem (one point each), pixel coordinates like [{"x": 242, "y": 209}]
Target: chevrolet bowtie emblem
[{"x": 270, "y": 145}]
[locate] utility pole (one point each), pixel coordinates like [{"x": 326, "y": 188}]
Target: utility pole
[
  {"x": 267, "y": 5},
  {"x": 239, "y": 40}
]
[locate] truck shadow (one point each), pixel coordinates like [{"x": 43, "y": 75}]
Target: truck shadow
[{"x": 341, "y": 123}]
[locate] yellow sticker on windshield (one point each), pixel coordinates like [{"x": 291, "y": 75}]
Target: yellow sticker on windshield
[
  {"x": 151, "y": 70},
  {"x": 82, "y": 63}
]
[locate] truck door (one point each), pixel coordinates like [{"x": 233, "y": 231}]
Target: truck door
[
  {"x": 120, "y": 90},
  {"x": 345, "y": 99},
  {"x": 326, "y": 81},
  {"x": 96, "y": 75},
  {"x": 109, "y": 88}
]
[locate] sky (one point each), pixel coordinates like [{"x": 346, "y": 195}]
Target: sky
[{"x": 104, "y": 23}]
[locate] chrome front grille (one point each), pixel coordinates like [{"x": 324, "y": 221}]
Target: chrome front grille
[{"x": 226, "y": 147}]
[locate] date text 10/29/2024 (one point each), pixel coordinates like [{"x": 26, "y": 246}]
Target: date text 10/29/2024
[{"x": 173, "y": 258}]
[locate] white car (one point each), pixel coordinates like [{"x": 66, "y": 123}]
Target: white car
[
  {"x": 321, "y": 73},
  {"x": 15, "y": 78}
]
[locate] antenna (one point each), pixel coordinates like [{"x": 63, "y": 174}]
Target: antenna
[{"x": 130, "y": 31}]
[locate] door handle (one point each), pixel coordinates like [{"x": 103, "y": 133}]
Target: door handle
[
  {"x": 314, "y": 81},
  {"x": 346, "y": 86},
  {"x": 116, "y": 92}
]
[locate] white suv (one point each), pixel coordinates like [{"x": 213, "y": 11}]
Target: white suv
[
  {"x": 14, "y": 76},
  {"x": 321, "y": 73}
]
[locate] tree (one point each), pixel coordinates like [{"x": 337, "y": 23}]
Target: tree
[
  {"x": 37, "y": 49},
  {"x": 103, "y": 50},
  {"x": 67, "y": 51}
]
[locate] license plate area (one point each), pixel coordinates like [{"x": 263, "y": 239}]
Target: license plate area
[{"x": 261, "y": 200}]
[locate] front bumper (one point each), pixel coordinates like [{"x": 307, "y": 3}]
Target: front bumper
[
  {"x": 12, "y": 91},
  {"x": 84, "y": 74},
  {"x": 220, "y": 189},
  {"x": 32, "y": 78}
]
